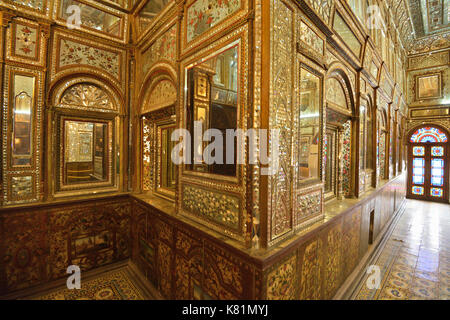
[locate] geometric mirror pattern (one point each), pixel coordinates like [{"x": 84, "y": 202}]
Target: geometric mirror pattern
[{"x": 428, "y": 134}]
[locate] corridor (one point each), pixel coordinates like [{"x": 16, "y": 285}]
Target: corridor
[{"x": 415, "y": 260}]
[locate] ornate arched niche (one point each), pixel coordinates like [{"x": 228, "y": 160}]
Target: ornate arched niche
[
  {"x": 86, "y": 94},
  {"x": 338, "y": 137},
  {"x": 162, "y": 94},
  {"x": 86, "y": 145},
  {"x": 158, "y": 122}
]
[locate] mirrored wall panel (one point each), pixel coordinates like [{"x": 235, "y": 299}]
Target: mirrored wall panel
[
  {"x": 212, "y": 103},
  {"x": 90, "y": 17},
  {"x": 344, "y": 31},
  {"x": 167, "y": 178},
  {"x": 22, "y": 117},
  {"x": 150, "y": 11},
  {"x": 85, "y": 158},
  {"x": 310, "y": 105}
]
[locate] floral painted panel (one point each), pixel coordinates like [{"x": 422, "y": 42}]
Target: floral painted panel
[
  {"x": 382, "y": 155},
  {"x": 164, "y": 48},
  {"x": 202, "y": 15},
  {"x": 76, "y": 54},
  {"x": 309, "y": 205},
  {"x": 333, "y": 262},
  {"x": 218, "y": 207},
  {"x": 346, "y": 153},
  {"x": 26, "y": 41},
  {"x": 281, "y": 281},
  {"x": 308, "y": 36},
  {"x": 311, "y": 275}
]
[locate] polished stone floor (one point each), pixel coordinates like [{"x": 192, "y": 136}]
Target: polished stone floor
[{"x": 415, "y": 261}]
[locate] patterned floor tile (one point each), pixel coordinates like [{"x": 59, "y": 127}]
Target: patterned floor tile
[
  {"x": 114, "y": 285},
  {"x": 415, "y": 262}
]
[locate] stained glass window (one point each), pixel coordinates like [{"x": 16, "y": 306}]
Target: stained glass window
[
  {"x": 428, "y": 134},
  {"x": 436, "y": 192},
  {"x": 418, "y": 171},
  {"x": 437, "y": 172},
  {"x": 437, "y": 151},
  {"x": 418, "y": 190},
  {"x": 418, "y": 151}
]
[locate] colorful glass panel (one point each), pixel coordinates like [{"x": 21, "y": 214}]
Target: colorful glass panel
[
  {"x": 428, "y": 134},
  {"x": 418, "y": 151},
  {"x": 437, "y": 151},
  {"x": 437, "y": 172},
  {"x": 437, "y": 192},
  {"x": 418, "y": 171},
  {"x": 418, "y": 190}
]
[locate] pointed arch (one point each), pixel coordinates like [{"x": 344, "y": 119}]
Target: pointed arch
[
  {"x": 161, "y": 76},
  {"x": 337, "y": 71},
  {"x": 59, "y": 88}
]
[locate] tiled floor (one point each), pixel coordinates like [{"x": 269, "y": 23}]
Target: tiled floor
[{"x": 415, "y": 262}]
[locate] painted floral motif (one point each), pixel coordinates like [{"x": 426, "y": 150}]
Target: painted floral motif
[
  {"x": 230, "y": 273},
  {"x": 212, "y": 205},
  {"x": 165, "y": 270},
  {"x": 164, "y": 48},
  {"x": 346, "y": 155},
  {"x": 202, "y": 15},
  {"x": 281, "y": 281},
  {"x": 382, "y": 155},
  {"x": 148, "y": 145},
  {"x": 309, "y": 205},
  {"x": 76, "y": 54},
  {"x": 333, "y": 264},
  {"x": 26, "y": 41},
  {"x": 311, "y": 272}
]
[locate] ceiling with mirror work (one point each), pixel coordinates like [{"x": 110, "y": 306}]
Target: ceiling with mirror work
[
  {"x": 430, "y": 16},
  {"x": 426, "y": 21}
]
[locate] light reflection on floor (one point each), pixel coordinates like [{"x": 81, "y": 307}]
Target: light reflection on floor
[{"x": 415, "y": 262}]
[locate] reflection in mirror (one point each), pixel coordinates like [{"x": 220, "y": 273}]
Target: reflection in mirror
[
  {"x": 91, "y": 17},
  {"x": 85, "y": 152},
  {"x": 22, "y": 120},
  {"x": 150, "y": 11},
  {"x": 212, "y": 101},
  {"x": 167, "y": 167},
  {"x": 310, "y": 102}
]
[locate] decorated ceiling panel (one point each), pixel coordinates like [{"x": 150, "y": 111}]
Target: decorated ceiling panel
[{"x": 424, "y": 26}]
